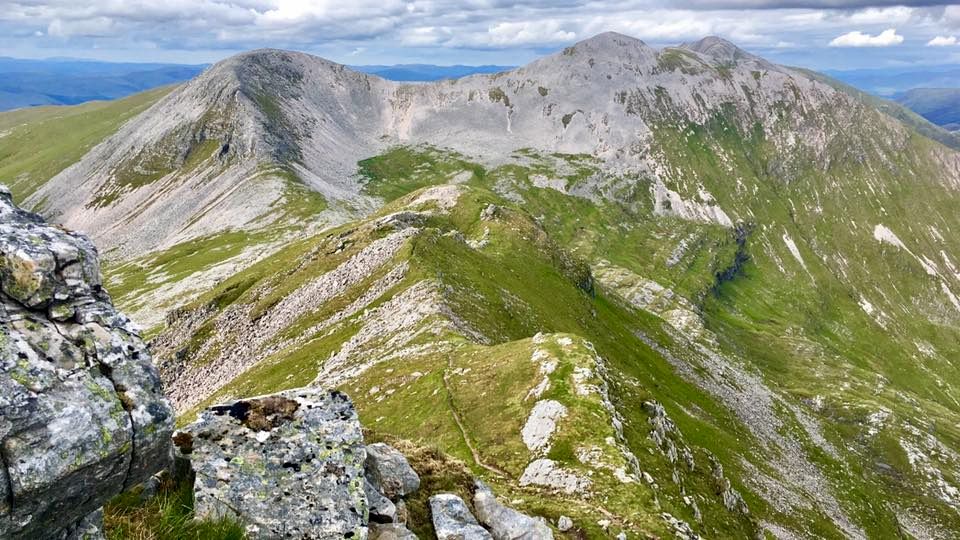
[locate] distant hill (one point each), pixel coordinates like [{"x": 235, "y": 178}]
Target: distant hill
[
  {"x": 426, "y": 72},
  {"x": 938, "y": 105},
  {"x": 28, "y": 83},
  {"x": 891, "y": 81},
  {"x": 67, "y": 81}
]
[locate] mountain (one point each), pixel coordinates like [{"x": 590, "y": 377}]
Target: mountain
[
  {"x": 29, "y": 83},
  {"x": 938, "y": 105},
  {"x": 892, "y": 81},
  {"x": 662, "y": 291},
  {"x": 427, "y": 72}
]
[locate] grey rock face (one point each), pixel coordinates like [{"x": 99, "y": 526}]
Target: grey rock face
[
  {"x": 82, "y": 413},
  {"x": 88, "y": 528},
  {"x": 382, "y": 510},
  {"x": 390, "y": 531},
  {"x": 388, "y": 470},
  {"x": 452, "y": 519},
  {"x": 506, "y": 523},
  {"x": 286, "y": 465}
]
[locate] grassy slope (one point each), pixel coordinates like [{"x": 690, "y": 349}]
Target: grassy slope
[
  {"x": 813, "y": 343},
  {"x": 542, "y": 295},
  {"x": 37, "y": 143},
  {"x": 493, "y": 281}
]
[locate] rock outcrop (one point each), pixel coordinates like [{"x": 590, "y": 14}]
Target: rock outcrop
[
  {"x": 82, "y": 413},
  {"x": 506, "y": 523},
  {"x": 390, "y": 531},
  {"x": 293, "y": 464},
  {"x": 388, "y": 470},
  {"x": 289, "y": 465},
  {"x": 452, "y": 519}
]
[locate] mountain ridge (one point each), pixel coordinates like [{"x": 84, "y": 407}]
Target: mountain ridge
[
  {"x": 400, "y": 114},
  {"x": 737, "y": 273}
]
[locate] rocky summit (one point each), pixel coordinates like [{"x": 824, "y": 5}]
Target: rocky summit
[
  {"x": 620, "y": 292},
  {"x": 82, "y": 413}
]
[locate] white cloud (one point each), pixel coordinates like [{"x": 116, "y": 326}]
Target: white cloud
[
  {"x": 857, "y": 38},
  {"x": 951, "y": 16},
  {"x": 461, "y": 30},
  {"x": 528, "y": 32},
  {"x": 95, "y": 27},
  {"x": 891, "y": 15},
  {"x": 942, "y": 41}
]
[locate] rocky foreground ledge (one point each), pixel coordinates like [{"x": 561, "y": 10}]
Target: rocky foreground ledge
[
  {"x": 294, "y": 465},
  {"x": 82, "y": 413}
]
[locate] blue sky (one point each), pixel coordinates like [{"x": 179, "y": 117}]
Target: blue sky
[{"x": 822, "y": 34}]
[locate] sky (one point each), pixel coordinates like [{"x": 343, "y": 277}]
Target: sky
[{"x": 821, "y": 34}]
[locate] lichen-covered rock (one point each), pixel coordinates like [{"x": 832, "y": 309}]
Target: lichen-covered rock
[
  {"x": 506, "y": 523},
  {"x": 388, "y": 470},
  {"x": 452, "y": 519},
  {"x": 289, "y": 465},
  {"x": 82, "y": 413},
  {"x": 390, "y": 531}
]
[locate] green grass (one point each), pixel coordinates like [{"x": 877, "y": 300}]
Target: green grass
[
  {"x": 404, "y": 169},
  {"x": 168, "y": 516},
  {"x": 672, "y": 59},
  {"x": 129, "y": 280},
  {"x": 40, "y": 142},
  {"x": 497, "y": 95}
]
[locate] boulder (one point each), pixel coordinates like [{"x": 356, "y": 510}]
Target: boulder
[
  {"x": 452, "y": 519},
  {"x": 288, "y": 465},
  {"x": 564, "y": 523},
  {"x": 382, "y": 509},
  {"x": 82, "y": 413},
  {"x": 390, "y": 531},
  {"x": 506, "y": 523},
  {"x": 389, "y": 472}
]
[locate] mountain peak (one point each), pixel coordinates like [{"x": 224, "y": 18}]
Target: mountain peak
[
  {"x": 719, "y": 49},
  {"x": 608, "y": 42},
  {"x": 273, "y": 60}
]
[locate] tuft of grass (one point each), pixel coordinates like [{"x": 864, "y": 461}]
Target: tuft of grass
[
  {"x": 167, "y": 516},
  {"x": 439, "y": 473},
  {"x": 497, "y": 95}
]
